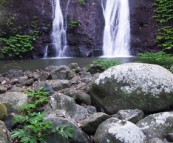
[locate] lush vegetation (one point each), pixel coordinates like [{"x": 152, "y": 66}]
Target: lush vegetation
[
  {"x": 17, "y": 44},
  {"x": 81, "y": 2},
  {"x": 73, "y": 23},
  {"x": 33, "y": 127},
  {"x": 164, "y": 16},
  {"x": 105, "y": 64},
  {"x": 160, "y": 58}
]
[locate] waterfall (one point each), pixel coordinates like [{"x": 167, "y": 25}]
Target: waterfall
[
  {"x": 116, "y": 38},
  {"x": 59, "y": 30}
]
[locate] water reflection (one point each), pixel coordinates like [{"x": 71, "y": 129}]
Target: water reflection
[{"x": 42, "y": 63}]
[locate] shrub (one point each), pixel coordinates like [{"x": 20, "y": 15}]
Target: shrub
[
  {"x": 160, "y": 58},
  {"x": 33, "y": 127},
  {"x": 105, "y": 64}
]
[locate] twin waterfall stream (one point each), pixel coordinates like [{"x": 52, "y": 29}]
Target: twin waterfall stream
[{"x": 116, "y": 36}]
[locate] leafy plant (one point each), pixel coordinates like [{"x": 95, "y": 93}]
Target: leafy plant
[
  {"x": 34, "y": 128},
  {"x": 160, "y": 58},
  {"x": 105, "y": 64},
  {"x": 164, "y": 16},
  {"x": 10, "y": 21},
  {"x": 73, "y": 23},
  {"x": 81, "y": 2},
  {"x": 17, "y": 44}
]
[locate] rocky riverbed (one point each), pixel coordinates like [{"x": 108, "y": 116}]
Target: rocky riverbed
[{"x": 128, "y": 103}]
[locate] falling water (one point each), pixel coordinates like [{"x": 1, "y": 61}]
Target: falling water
[
  {"x": 116, "y": 38},
  {"x": 59, "y": 30}
]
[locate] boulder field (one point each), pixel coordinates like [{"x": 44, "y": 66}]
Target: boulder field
[{"x": 128, "y": 103}]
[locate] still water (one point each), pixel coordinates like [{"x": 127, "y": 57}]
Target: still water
[{"x": 5, "y": 65}]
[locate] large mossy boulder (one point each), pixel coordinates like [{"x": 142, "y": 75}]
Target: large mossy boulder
[{"x": 133, "y": 85}]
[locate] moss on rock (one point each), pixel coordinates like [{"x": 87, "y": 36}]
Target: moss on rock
[{"x": 3, "y": 111}]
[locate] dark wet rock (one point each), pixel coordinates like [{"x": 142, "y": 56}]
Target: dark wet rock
[
  {"x": 3, "y": 133},
  {"x": 58, "y": 84},
  {"x": 29, "y": 82},
  {"x": 3, "y": 89},
  {"x": 91, "y": 123},
  {"x": 84, "y": 39},
  {"x": 22, "y": 80},
  {"x": 61, "y": 101},
  {"x": 78, "y": 96},
  {"x": 62, "y": 72},
  {"x": 94, "y": 69},
  {"x": 74, "y": 67},
  {"x": 114, "y": 130},
  {"x": 143, "y": 26},
  {"x": 13, "y": 73},
  {"x": 29, "y": 74},
  {"x": 46, "y": 87},
  {"x": 85, "y": 76},
  {"x": 79, "y": 135},
  {"x": 44, "y": 76},
  {"x": 155, "y": 140},
  {"x": 75, "y": 80},
  {"x": 169, "y": 137},
  {"x": 130, "y": 115},
  {"x": 15, "y": 89},
  {"x": 133, "y": 86},
  {"x": 157, "y": 125}
]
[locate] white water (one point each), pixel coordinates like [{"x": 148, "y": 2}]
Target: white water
[
  {"x": 59, "y": 30},
  {"x": 116, "y": 38}
]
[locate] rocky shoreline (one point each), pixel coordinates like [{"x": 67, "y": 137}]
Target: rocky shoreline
[{"x": 126, "y": 103}]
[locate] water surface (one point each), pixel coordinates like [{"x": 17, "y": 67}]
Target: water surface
[{"x": 42, "y": 63}]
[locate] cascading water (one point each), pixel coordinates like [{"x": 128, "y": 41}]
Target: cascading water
[
  {"x": 59, "y": 30},
  {"x": 116, "y": 38}
]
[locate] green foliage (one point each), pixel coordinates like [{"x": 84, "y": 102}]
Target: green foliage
[
  {"x": 73, "y": 23},
  {"x": 10, "y": 21},
  {"x": 105, "y": 64},
  {"x": 164, "y": 11},
  {"x": 34, "y": 127},
  {"x": 165, "y": 38},
  {"x": 159, "y": 58},
  {"x": 17, "y": 44},
  {"x": 81, "y": 2},
  {"x": 164, "y": 16}
]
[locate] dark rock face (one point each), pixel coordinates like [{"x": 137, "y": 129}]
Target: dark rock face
[
  {"x": 143, "y": 26},
  {"x": 24, "y": 17},
  {"x": 84, "y": 39}
]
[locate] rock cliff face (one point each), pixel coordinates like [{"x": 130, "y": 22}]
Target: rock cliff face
[
  {"x": 24, "y": 17},
  {"x": 143, "y": 26},
  {"x": 84, "y": 39}
]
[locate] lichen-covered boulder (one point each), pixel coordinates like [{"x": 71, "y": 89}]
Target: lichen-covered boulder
[
  {"x": 114, "y": 130},
  {"x": 157, "y": 125},
  {"x": 133, "y": 85}
]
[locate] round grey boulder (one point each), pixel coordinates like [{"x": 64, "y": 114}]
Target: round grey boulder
[
  {"x": 133, "y": 86},
  {"x": 114, "y": 130}
]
